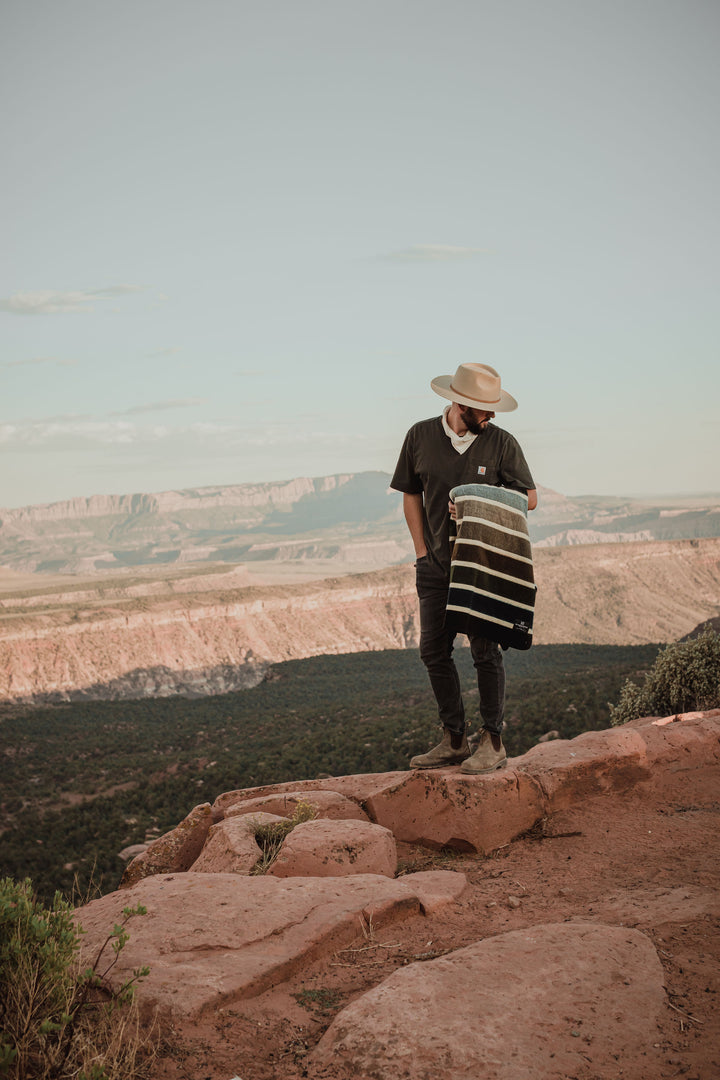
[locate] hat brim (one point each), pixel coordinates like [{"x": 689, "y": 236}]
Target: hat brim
[{"x": 441, "y": 386}]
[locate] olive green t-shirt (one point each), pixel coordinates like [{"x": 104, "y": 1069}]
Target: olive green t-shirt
[{"x": 429, "y": 465}]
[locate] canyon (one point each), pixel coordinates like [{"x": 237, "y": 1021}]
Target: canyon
[
  {"x": 200, "y": 591},
  {"x": 206, "y": 630}
]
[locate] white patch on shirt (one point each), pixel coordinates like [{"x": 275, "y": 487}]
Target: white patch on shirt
[{"x": 481, "y": 470}]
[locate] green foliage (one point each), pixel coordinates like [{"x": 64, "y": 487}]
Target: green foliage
[
  {"x": 320, "y": 1001},
  {"x": 57, "y": 1019},
  {"x": 684, "y": 677},
  {"x": 80, "y": 781},
  {"x": 271, "y": 834},
  {"x": 37, "y": 949}
]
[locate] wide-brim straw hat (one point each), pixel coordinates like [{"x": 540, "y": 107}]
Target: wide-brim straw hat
[{"x": 476, "y": 385}]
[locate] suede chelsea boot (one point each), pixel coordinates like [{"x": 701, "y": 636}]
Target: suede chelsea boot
[{"x": 444, "y": 753}]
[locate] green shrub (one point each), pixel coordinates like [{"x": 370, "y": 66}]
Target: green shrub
[
  {"x": 684, "y": 677},
  {"x": 59, "y": 1020}
]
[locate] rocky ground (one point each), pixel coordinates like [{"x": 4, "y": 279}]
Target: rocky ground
[
  {"x": 638, "y": 861},
  {"x": 651, "y": 865}
]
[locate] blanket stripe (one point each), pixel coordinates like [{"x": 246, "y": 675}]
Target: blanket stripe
[{"x": 492, "y": 586}]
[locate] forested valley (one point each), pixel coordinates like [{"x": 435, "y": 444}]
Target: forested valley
[{"x": 79, "y": 782}]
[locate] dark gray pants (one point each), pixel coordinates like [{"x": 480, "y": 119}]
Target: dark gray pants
[{"x": 436, "y": 647}]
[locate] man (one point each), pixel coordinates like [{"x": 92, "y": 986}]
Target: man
[{"x": 459, "y": 447}]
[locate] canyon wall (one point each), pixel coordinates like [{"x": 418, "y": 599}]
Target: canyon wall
[
  {"x": 211, "y": 633},
  {"x": 197, "y": 643}
]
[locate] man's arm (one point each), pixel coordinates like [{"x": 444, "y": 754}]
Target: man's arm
[
  {"x": 514, "y": 472},
  {"x": 413, "y": 510}
]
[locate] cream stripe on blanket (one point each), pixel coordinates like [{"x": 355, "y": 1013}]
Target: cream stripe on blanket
[{"x": 492, "y": 587}]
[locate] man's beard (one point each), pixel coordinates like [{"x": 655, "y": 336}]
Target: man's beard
[{"x": 475, "y": 427}]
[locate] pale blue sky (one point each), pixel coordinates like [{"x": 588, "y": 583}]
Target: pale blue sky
[{"x": 241, "y": 238}]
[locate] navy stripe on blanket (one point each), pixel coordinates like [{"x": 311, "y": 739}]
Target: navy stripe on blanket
[
  {"x": 492, "y": 586},
  {"x": 493, "y": 560},
  {"x": 472, "y": 577}
]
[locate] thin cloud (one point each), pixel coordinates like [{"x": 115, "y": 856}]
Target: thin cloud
[
  {"x": 40, "y": 360},
  {"x": 31, "y": 422},
  {"x": 158, "y": 406},
  {"x": 72, "y": 433},
  {"x": 116, "y": 290},
  {"x": 63, "y": 433},
  {"x": 434, "y": 253},
  {"x": 54, "y": 302},
  {"x": 67, "y": 433},
  {"x": 169, "y": 350}
]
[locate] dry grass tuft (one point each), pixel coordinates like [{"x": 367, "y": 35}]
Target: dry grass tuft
[{"x": 270, "y": 836}]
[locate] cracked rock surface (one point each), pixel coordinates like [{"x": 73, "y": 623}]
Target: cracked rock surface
[
  {"x": 523, "y": 1004},
  {"x": 214, "y": 938},
  {"x": 568, "y": 930}
]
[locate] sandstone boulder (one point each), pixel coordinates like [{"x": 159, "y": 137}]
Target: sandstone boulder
[
  {"x": 594, "y": 762},
  {"x": 175, "y": 851},
  {"x": 216, "y": 938},
  {"x": 331, "y": 848},
  {"x": 231, "y": 847},
  {"x": 683, "y": 742},
  {"x": 132, "y": 851},
  {"x": 540, "y": 1002},
  {"x": 436, "y": 888},
  {"x": 356, "y": 788},
  {"x": 549, "y": 736},
  {"x": 328, "y": 804},
  {"x": 617, "y": 759},
  {"x": 443, "y": 808}
]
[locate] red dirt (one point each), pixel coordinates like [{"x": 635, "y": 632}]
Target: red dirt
[{"x": 614, "y": 859}]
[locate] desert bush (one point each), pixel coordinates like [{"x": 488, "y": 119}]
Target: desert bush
[
  {"x": 270, "y": 835},
  {"x": 58, "y": 1019},
  {"x": 684, "y": 677}
]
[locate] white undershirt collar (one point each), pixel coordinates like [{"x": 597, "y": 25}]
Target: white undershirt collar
[{"x": 459, "y": 442}]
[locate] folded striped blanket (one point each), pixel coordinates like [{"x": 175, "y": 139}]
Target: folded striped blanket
[{"x": 492, "y": 587}]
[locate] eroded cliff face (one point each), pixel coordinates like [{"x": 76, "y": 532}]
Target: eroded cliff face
[
  {"x": 281, "y": 493},
  {"x": 201, "y": 643},
  {"x": 626, "y": 594},
  {"x": 193, "y": 634}
]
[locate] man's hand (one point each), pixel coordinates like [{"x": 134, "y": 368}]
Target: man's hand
[{"x": 452, "y": 510}]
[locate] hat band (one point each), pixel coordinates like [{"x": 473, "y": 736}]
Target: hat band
[{"x": 485, "y": 401}]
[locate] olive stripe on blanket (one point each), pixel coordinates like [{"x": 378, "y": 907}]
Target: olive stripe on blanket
[{"x": 492, "y": 586}]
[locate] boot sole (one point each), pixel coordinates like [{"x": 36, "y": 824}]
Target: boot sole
[
  {"x": 440, "y": 764},
  {"x": 484, "y": 772}
]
